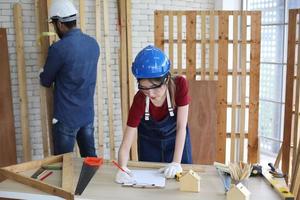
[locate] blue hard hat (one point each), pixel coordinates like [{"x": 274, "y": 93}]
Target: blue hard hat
[{"x": 150, "y": 62}]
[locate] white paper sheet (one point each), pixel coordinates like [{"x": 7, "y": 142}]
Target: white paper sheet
[{"x": 147, "y": 178}]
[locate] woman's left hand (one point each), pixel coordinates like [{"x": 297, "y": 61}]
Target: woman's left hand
[{"x": 171, "y": 169}]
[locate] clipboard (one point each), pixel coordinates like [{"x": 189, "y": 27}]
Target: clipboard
[{"x": 146, "y": 179}]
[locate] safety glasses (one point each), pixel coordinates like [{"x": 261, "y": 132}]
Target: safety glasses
[{"x": 154, "y": 86}]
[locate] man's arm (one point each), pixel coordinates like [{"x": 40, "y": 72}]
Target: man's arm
[{"x": 51, "y": 67}]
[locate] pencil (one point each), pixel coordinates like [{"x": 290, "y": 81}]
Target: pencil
[
  {"x": 46, "y": 175},
  {"x": 118, "y": 166}
]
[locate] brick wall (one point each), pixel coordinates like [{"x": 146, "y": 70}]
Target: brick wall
[{"x": 142, "y": 33}]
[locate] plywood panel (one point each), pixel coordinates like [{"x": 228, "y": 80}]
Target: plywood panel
[
  {"x": 7, "y": 130},
  {"x": 203, "y": 120}
]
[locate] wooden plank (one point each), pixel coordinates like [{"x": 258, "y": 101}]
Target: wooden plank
[
  {"x": 234, "y": 89},
  {"x": 211, "y": 45},
  {"x": 254, "y": 88},
  {"x": 203, "y": 120},
  {"x": 222, "y": 87},
  {"x": 289, "y": 93},
  {"x": 179, "y": 43},
  {"x": 7, "y": 128},
  {"x": 18, "y": 23},
  {"x": 99, "y": 82},
  {"x": 67, "y": 173},
  {"x": 296, "y": 150},
  {"x": 109, "y": 80},
  {"x": 123, "y": 62},
  {"x": 46, "y": 94},
  {"x": 191, "y": 45},
  {"x": 171, "y": 40},
  {"x": 131, "y": 81},
  {"x": 203, "y": 38},
  {"x": 279, "y": 185},
  {"x": 159, "y": 30},
  {"x": 185, "y": 167},
  {"x": 243, "y": 84},
  {"x": 82, "y": 15}
]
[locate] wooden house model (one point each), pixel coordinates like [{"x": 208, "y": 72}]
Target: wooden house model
[{"x": 190, "y": 182}]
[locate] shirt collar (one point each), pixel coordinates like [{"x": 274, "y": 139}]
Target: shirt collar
[{"x": 73, "y": 31}]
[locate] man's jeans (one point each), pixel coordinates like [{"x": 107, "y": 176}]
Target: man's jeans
[{"x": 64, "y": 139}]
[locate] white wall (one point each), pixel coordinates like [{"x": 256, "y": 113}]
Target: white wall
[{"x": 142, "y": 35}]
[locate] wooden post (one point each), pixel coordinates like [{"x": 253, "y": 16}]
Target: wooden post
[
  {"x": 22, "y": 82},
  {"x": 109, "y": 80},
  {"x": 234, "y": 88},
  {"x": 222, "y": 87},
  {"x": 243, "y": 84},
  {"x": 203, "y": 49},
  {"x": 159, "y": 30},
  {"x": 191, "y": 45},
  {"x": 254, "y": 87},
  {"x": 46, "y": 94},
  {"x": 171, "y": 39},
  {"x": 82, "y": 15},
  {"x": 179, "y": 43},
  {"x": 211, "y": 46},
  {"x": 99, "y": 82}
]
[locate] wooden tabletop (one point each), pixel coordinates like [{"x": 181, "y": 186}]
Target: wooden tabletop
[{"x": 102, "y": 186}]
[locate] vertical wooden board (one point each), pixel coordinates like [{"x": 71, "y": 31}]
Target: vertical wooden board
[
  {"x": 203, "y": 120},
  {"x": 203, "y": 41},
  {"x": 18, "y": 23},
  {"x": 288, "y": 113},
  {"x": 123, "y": 62},
  {"x": 254, "y": 87},
  {"x": 243, "y": 56},
  {"x": 7, "y": 129},
  {"x": 99, "y": 82},
  {"x": 211, "y": 46},
  {"x": 222, "y": 87},
  {"x": 191, "y": 45},
  {"x": 234, "y": 88},
  {"x": 82, "y": 14},
  {"x": 67, "y": 173},
  {"x": 109, "y": 81},
  {"x": 179, "y": 43},
  {"x": 159, "y": 30},
  {"x": 46, "y": 94},
  {"x": 171, "y": 40}
]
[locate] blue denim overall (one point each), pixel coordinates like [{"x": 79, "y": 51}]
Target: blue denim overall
[{"x": 156, "y": 140}]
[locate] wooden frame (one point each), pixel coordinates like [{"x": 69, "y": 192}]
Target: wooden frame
[
  {"x": 14, "y": 173},
  {"x": 219, "y": 69}
]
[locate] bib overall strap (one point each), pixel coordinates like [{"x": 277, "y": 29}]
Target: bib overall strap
[
  {"x": 147, "y": 114},
  {"x": 170, "y": 108}
]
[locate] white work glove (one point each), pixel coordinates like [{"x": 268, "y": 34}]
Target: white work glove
[
  {"x": 123, "y": 177},
  {"x": 171, "y": 169}
]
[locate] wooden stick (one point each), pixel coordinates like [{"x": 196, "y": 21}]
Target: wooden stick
[
  {"x": 243, "y": 86},
  {"x": 22, "y": 82},
  {"x": 222, "y": 88},
  {"x": 99, "y": 82},
  {"x": 109, "y": 81},
  {"x": 159, "y": 30},
  {"x": 203, "y": 49},
  {"x": 82, "y": 15},
  {"x": 278, "y": 158},
  {"x": 67, "y": 172},
  {"x": 179, "y": 44},
  {"x": 171, "y": 42},
  {"x": 211, "y": 46},
  {"x": 289, "y": 93},
  {"x": 254, "y": 88},
  {"x": 191, "y": 46},
  {"x": 234, "y": 89}
]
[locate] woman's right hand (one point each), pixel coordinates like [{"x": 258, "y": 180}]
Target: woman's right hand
[{"x": 124, "y": 177}]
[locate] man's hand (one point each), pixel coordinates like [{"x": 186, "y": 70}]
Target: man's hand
[{"x": 171, "y": 169}]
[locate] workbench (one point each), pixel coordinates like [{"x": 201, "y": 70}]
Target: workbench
[{"x": 102, "y": 186}]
